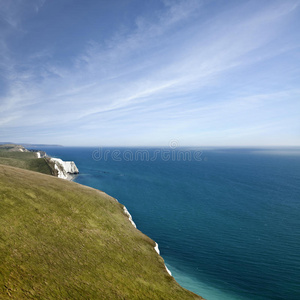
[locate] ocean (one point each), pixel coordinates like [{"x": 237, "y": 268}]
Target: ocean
[{"x": 227, "y": 221}]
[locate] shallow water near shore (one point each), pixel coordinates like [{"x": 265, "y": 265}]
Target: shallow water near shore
[{"x": 226, "y": 221}]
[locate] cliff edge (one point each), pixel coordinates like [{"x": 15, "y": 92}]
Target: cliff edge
[
  {"x": 65, "y": 169},
  {"x": 62, "y": 240}
]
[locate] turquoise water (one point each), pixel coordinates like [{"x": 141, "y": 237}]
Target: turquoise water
[{"x": 227, "y": 221}]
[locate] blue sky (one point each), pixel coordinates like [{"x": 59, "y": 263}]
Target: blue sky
[{"x": 134, "y": 72}]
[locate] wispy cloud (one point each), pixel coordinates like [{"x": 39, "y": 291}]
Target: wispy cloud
[{"x": 166, "y": 74}]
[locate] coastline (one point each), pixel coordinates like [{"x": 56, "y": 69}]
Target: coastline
[
  {"x": 55, "y": 167},
  {"x": 68, "y": 170},
  {"x": 72, "y": 177},
  {"x": 158, "y": 252},
  {"x": 107, "y": 176},
  {"x": 64, "y": 169},
  {"x": 127, "y": 213},
  {"x": 83, "y": 231}
]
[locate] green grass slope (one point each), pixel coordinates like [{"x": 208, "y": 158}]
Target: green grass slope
[
  {"x": 62, "y": 240},
  {"x": 24, "y": 160}
]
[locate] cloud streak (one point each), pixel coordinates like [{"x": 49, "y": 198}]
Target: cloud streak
[{"x": 184, "y": 70}]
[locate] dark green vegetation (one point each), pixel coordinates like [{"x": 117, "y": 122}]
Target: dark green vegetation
[
  {"x": 11, "y": 156},
  {"x": 62, "y": 240}
]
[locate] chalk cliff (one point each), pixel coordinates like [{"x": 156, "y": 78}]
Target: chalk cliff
[{"x": 65, "y": 169}]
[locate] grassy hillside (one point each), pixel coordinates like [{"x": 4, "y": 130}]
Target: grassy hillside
[
  {"x": 62, "y": 240},
  {"x": 11, "y": 156}
]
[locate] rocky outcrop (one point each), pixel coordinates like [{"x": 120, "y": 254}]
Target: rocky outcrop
[
  {"x": 39, "y": 153},
  {"x": 65, "y": 169}
]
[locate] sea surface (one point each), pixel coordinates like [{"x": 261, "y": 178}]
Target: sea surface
[{"x": 227, "y": 221}]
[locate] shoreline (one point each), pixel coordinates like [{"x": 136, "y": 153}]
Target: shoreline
[
  {"x": 65, "y": 169},
  {"x": 72, "y": 177},
  {"x": 127, "y": 213},
  {"x": 64, "y": 166},
  {"x": 96, "y": 237},
  {"x": 158, "y": 252}
]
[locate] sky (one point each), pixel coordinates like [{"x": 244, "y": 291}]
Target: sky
[{"x": 150, "y": 73}]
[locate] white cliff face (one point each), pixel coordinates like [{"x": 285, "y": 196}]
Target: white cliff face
[
  {"x": 156, "y": 245},
  {"x": 70, "y": 167},
  {"x": 64, "y": 168},
  {"x": 20, "y": 148},
  {"x": 60, "y": 172},
  {"x": 168, "y": 271},
  {"x": 41, "y": 154},
  {"x": 129, "y": 216},
  {"x": 158, "y": 252}
]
